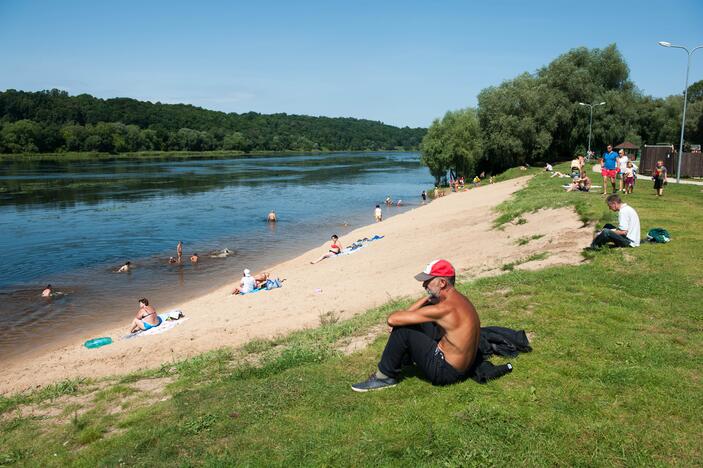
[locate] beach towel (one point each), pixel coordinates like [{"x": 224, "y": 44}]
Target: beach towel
[
  {"x": 359, "y": 244},
  {"x": 269, "y": 285}
]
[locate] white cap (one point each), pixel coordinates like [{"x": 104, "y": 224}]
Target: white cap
[{"x": 247, "y": 272}]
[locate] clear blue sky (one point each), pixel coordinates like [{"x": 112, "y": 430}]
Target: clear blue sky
[{"x": 401, "y": 62}]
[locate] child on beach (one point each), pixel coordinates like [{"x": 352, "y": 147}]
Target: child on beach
[
  {"x": 377, "y": 214},
  {"x": 629, "y": 177}
]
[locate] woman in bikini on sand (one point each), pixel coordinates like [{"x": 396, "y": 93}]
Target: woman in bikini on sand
[
  {"x": 146, "y": 317},
  {"x": 335, "y": 249}
]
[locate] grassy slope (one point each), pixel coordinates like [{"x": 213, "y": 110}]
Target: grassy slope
[{"x": 615, "y": 376}]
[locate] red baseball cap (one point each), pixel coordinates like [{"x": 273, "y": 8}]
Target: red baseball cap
[{"x": 436, "y": 268}]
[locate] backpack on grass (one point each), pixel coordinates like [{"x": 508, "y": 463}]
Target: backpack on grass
[{"x": 658, "y": 235}]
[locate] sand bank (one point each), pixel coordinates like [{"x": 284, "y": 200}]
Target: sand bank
[{"x": 457, "y": 227}]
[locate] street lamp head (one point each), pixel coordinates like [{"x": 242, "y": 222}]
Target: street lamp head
[
  {"x": 664, "y": 44},
  {"x": 582, "y": 104},
  {"x": 600, "y": 104}
]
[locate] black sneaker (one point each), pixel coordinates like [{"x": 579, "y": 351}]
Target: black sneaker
[{"x": 374, "y": 383}]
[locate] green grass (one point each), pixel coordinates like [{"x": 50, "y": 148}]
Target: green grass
[
  {"x": 614, "y": 378},
  {"x": 532, "y": 258},
  {"x": 527, "y": 239}
]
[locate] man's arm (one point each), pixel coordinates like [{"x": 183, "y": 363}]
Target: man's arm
[{"x": 420, "y": 312}]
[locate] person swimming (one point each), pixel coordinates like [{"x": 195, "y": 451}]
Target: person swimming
[
  {"x": 271, "y": 218},
  {"x": 194, "y": 258},
  {"x": 48, "y": 291},
  {"x": 125, "y": 268},
  {"x": 221, "y": 253}
]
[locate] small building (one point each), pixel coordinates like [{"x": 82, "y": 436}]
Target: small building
[{"x": 630, "y": 149}]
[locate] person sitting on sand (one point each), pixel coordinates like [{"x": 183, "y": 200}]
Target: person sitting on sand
[
  {"x": 48, "y": 291},
  {"x": 335, "y": 249},
  {"x": 271, "y": 218},
  {"x": 194, "y": 258},
  {"x": 439, "y": 333},
  {"x": 125, "y": 268},
  {"x": 146, "y": 317},
  {"x": 248, "y": 283}
]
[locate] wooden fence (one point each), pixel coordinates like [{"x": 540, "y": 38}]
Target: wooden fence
[{"x": 691, "y": 163}]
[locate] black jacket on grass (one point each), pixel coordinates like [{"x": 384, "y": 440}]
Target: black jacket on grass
[{"x": 500, "y": 341}]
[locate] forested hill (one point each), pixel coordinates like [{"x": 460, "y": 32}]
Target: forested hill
[{"x": 54, "y": 121}]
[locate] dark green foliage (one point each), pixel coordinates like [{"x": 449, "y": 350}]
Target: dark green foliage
[
  {"x": 536, "y": 117},
  {"x": 53, "y": 121},
  {"x": 453, "y": 143}
]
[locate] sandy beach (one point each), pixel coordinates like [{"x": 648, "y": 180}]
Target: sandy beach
[{"x": 457, "y": 227}]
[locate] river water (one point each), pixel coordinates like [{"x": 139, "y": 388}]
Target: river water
[{"x": 72, "y": 224}]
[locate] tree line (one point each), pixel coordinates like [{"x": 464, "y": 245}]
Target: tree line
[
  {"x": 536, "y": 117},
  {"x": 54, "y": 121}
]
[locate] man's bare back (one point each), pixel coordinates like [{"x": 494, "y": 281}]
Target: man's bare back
[
  {"x": 439, "y": 333},
  {"x": 457, "y": 317},
  {"x": 462, "y": 328}
]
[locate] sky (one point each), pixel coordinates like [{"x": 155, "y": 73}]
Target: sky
[{"x": 399, "y": 62}]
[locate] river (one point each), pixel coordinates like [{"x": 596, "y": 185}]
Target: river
[{"x": 72, "y": 224}]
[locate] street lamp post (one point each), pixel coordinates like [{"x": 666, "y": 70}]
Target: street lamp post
[
  {"x": 590, "y": 122},
  {"x": 685, "y": 100}
]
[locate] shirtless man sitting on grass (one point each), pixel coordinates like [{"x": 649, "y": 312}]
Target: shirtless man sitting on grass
[{"x": 439, "y": 333}]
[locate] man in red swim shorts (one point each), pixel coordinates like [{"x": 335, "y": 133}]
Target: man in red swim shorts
[{"x": 609, "y": 169}]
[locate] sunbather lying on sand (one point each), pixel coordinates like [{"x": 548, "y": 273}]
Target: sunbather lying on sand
[{"x": 248, "y": 283}]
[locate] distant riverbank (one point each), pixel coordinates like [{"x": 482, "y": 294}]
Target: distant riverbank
[{"x": 168, "y": 155}]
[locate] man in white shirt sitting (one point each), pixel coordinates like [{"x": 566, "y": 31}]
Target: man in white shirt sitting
[{"x": 627, "y": 234}]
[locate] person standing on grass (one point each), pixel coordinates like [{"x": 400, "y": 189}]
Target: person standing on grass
[
  {"x": 622, "y": 167},
  {"x": 659, "y": 178},
  {"x": 609, "y": 169},
  {"x": 439, "y": 333},
  {"x": 627, "y": 234},
  {"x": 629, "y": 176}
]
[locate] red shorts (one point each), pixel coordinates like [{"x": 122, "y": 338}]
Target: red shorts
[{"x": 609, "y": 172}]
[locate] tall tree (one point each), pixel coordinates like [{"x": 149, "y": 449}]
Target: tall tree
[{"x": 452, "y": 143}]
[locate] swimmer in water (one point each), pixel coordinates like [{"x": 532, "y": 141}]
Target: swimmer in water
[
  {"x": 194, "y": 258},
  {"x": 271, "y": 218},
  {"x": 125, "y": 268},
  {"x": 179, "y": 251},
  {"x": 48, "y": 291},
  {"x": 172, "y": 260}
]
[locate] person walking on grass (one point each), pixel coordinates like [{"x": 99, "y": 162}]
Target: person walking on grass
[
  {"x": 439, "y": 333},
  {"x": 609, "y": 169},
  {"x": 659, "y": 178},
  {"x": 627, "y": 234}
]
